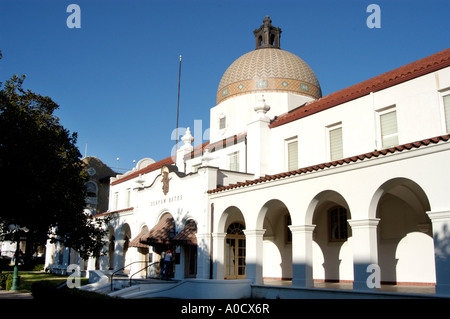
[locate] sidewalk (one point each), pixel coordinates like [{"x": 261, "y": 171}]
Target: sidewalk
[{"x": 6, "y": 294}]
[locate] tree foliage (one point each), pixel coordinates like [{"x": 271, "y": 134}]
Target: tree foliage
[{"x": 43, "y": 175}]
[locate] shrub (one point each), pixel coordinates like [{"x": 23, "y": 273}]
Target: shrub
[
  {"x": 38, "y": 267},
  {"x": 6, "y": 279}
]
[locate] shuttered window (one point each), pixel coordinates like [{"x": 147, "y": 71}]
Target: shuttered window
[
  {"x": 292, "y": 149},
  {"x": 222, "y": 122},
  {"x": 233, "y": 161},
  {"x": 336, "y": 150},
  {"x": 447, "y": 111},
  {"x": 389, "y": 130}
]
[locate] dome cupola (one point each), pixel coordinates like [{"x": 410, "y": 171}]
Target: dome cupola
[{"x": 268, "y": 69}]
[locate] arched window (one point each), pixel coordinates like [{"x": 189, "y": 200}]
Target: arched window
[
  {"x": 91, "y": 189},
  {"x": 235, "y": 229}
]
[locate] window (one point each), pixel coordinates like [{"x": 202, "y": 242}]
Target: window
[
  {"x": 388, "y": 128},
  {"x": 222, "y": 122},
  {"x": 446, "y": 101},
  {"x": 338, "y": 224},
  {"x": 233, "y": 161},
  {"x": 335, "y": 142},
  {"x": 116, "y": 201},
  {"x": 292, "y": 154},
  {"x": 91, "y": 189},
  {"x": 128, "y": 197}
]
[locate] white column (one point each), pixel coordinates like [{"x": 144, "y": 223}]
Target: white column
[
  {"x": 118, "y": 254},
  {"x": 179, "y": 268},
  {"x": 365, "y": 250},
  {"x": 49, "y": 254},
  {"x": 302, "y": 257},
  {"x": 441, "y": 236},
  {"x": 91, "y": 263},
  {"x": 254, "y": 255},
  {"x": 203, "y": 255},
  {"x": 218, "y": 255}
]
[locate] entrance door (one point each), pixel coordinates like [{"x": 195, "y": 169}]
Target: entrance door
[
  {"x": 190, "y": 261},
  {"x": 235, "y": 252}
]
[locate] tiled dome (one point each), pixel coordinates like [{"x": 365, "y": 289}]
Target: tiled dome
[{"x": 269, "y": 70}]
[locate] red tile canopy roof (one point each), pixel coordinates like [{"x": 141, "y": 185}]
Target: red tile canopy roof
[
  {"x": 145, "y": 170},
  {"x": 402, "y": 74}
]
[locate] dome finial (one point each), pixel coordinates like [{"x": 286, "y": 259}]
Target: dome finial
[
  {"x": 267, "y": 36},
  {"x": 261, "y": 107}
]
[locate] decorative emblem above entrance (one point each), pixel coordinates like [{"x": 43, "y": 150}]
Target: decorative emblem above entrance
[{"x": 165, "y": 179}]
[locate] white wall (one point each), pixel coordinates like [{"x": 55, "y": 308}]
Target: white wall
[
  {"x": 419, "y": 116},
  {"x": 239, "y": 111}
]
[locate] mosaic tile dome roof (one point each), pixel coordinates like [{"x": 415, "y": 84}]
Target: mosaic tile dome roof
[{"x": 268, "y": 69}]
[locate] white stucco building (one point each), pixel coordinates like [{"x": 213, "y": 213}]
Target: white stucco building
[{"x": 297, "y": 186}]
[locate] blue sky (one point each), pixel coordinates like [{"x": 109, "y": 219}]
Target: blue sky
[{"x": 116, "y": 77}]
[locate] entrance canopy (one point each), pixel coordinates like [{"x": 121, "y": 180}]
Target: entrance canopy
[
  {"x": 136, "y": 242},
  {"x": 160, "y": 234},
  {"x": 187, "y": 235}
]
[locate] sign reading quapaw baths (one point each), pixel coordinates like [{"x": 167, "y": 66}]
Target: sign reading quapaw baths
[{"x": 166, "y": 200}]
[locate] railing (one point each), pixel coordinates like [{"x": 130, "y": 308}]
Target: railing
[
  {"x": 118, "y": 270},
  {"x": 142, "y": 270}
]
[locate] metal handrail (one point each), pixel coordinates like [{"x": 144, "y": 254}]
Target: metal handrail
[
  {"x": 112, "y": 275},
  {"x": 156, "y": 262}
]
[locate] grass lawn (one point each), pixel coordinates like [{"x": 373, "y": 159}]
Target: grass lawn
[{"x": 27, "y": 278}]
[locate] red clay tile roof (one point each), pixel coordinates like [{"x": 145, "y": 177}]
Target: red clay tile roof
[
  {"x": 400, "y": 148},
  {"x": 160, "y": 233},
  {"x": 113, "y": 212},
  {"x": 187, "y": 236},
  {"x": 402, "y": 74},
  {"x": 147, "y": 169},
  {"x": 136, "y": 242}
]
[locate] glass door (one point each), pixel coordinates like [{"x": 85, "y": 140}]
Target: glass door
[{"x": 235, "y": 252}]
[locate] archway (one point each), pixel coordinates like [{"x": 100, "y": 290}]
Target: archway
[
  {"x": 141, "y": 255},
  {"x": 332, "y": 253},
  {"x": 235, "y": 251},
  {"x": 186, "y": 239},
  {"x": 275, "y": 219},
  {"x": 405, "y": 240},
  {"x": 160, "y": 238},
  {"x": 232, "y": 223},
  {"x": 121, "y": 248}
]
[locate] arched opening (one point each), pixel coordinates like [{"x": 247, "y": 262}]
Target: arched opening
[
  {"x": 235, "y": 251},
  {"x": 187, "y": 240},
  {"x": 122, "y": 244},
  {"x": 332, "y": 253},
  {"x": 142, "y": 255},
  {"x": 405, "y": 239},
  {"x": 277, "y": 241},
  {"x": 233, "y": 224},
  {"x": 160, "y": 237}
]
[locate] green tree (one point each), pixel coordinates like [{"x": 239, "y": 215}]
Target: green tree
[{"x": 42, "y": 173}]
